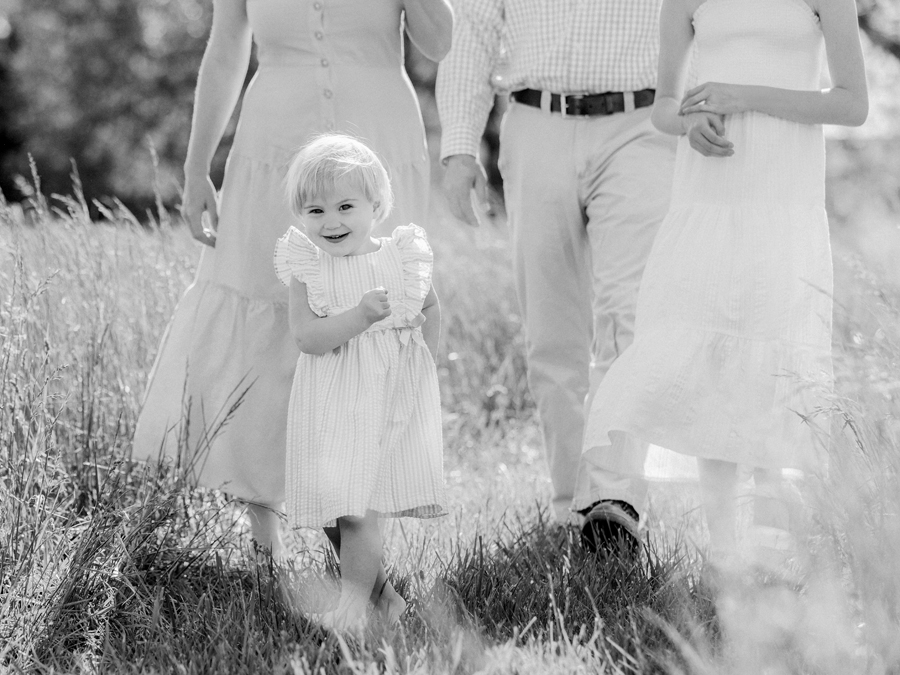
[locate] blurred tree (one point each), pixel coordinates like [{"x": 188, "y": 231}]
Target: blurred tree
[
  {"x": 103, "y": 80},
  {"x": 11, "y": 140},
  {"x": 100, "y": 81},
  {"x": 880, "y": 20}
]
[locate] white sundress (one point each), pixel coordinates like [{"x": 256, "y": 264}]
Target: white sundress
[
  {"x": 364, "y": 420},
  {"x": 731, "y": 358}
]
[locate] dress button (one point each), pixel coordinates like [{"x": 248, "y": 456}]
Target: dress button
[
  {"x": 327, "y": 93},
  {"x": 317, "y": 6},
  {"x": 324, "y": 63},
  {"x": 319, "y": 35}
]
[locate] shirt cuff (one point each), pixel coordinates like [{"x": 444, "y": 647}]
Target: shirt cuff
[{"x": 460, "y": 140}]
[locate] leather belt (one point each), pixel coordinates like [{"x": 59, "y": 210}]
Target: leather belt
[{"x": 585, "y": 104}]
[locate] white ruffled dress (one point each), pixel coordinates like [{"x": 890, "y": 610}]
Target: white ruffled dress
[
  {"x": 731, "y": 358},
  {"x": 364, "y": 420}
]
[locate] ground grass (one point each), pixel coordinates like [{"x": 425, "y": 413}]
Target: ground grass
[{"x": 110, "y": 567}]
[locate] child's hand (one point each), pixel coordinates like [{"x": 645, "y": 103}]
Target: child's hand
[
  {"x": 706, "y": 134},
  {"x": 374, "y": 305}
]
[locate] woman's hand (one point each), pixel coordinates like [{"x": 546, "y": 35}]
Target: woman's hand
[
  {"x": 714, "y": 97},
  {"x": 706, "y": 134},
  {"x": 199, "y": 209}
]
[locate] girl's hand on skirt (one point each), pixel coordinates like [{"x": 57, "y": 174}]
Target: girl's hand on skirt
[
  {"x": 706, "y": 134},
  {"x": 375, "y": 306}
]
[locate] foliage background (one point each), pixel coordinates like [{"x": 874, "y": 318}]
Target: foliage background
[
  {"x": 109, "y": 84},
  {"x": 102, "y": 82},
  {"x": 105, "y": 568}
]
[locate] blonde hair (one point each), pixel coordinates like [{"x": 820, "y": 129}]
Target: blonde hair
[{"x": 323, "y": 161}]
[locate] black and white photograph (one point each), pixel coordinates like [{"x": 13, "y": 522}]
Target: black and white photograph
[{"x": 462, "y": 337}]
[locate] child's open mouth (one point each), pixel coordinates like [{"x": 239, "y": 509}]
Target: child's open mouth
[{"x": 335, "y": 237}]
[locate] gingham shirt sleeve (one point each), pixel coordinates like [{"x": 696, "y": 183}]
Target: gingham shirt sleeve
[
  {"x": 572, "y": 47},
  {"x": 464, "y": 92}
]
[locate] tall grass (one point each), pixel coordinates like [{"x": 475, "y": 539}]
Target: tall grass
[{"x": 109, "y": 566}]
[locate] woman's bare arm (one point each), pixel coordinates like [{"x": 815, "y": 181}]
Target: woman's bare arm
[
  {"x": 219, "y": 81},
  {"x": 845, "y": 103},
  {"x": 430, "y": 26},
  {"x": 706, "y": 132}
]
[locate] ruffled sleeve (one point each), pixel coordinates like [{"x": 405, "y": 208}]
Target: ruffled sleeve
[
  {"x": 417, "y": 260},
  {"x": 296, "y": 256}
]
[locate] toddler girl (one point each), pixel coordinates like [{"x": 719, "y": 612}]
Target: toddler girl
[{"x": 364, "y": 422}]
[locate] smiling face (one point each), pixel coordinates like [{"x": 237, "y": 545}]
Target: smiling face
[{"x": 340, "y": 221}]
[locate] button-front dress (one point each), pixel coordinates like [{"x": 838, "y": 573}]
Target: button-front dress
[
  {"x": 364, "y": 422},
  {"x": 218, "y": 391}
]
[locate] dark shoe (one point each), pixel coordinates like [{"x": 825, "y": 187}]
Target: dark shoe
[{"x": 611, "y": 528}]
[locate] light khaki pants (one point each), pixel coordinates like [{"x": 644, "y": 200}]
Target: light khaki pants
[{"x": 584, "y": 197}]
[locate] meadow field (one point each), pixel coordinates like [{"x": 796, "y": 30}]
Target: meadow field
[{"x": 107, "y": 566}]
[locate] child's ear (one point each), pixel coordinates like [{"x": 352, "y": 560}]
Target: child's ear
[{"x": 375, "y": 207}]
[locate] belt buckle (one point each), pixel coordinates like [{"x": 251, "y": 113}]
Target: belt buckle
[{"x": 564, "y": 102}]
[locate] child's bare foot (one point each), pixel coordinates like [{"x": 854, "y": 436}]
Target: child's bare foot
[
  {"x": 390, "y": 606},
  {"x": 342, "y": 621},
  {"x": 390, "y": 612}
]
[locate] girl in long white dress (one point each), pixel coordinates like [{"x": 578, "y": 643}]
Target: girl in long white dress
[{"x": 731, "y": 358}]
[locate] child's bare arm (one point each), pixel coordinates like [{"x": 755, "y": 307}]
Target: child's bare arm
[
  {"x": 316, "y": 334},
  {"x": 431, "y": 329}
]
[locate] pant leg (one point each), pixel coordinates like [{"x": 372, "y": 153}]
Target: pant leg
[
  {"x": 551, "y": 263},
  {"x": 625, "y": 178}
]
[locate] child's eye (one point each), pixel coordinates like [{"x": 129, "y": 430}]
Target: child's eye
[
  {"x": 314, "y": 211},
  {"x": 345, "y": 207}
]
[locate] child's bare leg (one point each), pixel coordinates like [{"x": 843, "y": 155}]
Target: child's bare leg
[
  {"x": 718, "y": 485},
  {"x": 265, "y": 528},
  {"x": 360, "y": 555},
  {"x": 387, "y": 601}
]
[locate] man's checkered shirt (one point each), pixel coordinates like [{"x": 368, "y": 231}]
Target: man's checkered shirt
[{"x": 563, "y": 46}]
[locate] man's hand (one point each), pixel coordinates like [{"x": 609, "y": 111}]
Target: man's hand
[
  {"x": 706, "y": 134},
  {"x": 463, "y": 174}
]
